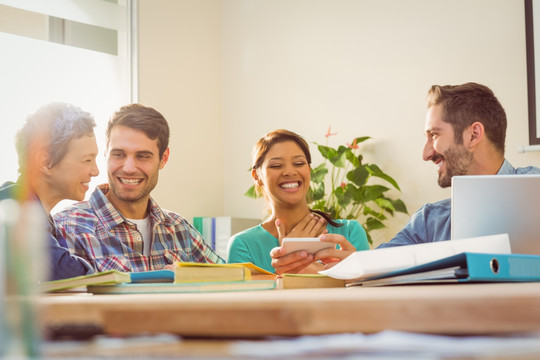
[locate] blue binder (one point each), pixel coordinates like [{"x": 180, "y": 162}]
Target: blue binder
[{"x": 464, "y": 267}]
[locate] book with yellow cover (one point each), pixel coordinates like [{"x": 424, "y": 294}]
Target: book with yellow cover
[
  {"x": 303, "y": 281},
  {"x": 258, "y": 273},
  {"x": 163, "y": 288},
  {"x": 191, "y": 272},
  {"x": 106, "y": 277}
]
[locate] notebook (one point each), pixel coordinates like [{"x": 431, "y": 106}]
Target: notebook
[{"x": 496, "y": 204}]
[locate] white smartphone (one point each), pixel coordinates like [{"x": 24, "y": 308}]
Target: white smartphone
[{"x": 311, "y": 245}]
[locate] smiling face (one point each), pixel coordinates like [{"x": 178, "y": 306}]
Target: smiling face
[
  {"x": 133, "y": 165},
  {"x": 69, "y": 178},
  {"x": 441, "y": 147},
  {"x": 285, "y": 174}
]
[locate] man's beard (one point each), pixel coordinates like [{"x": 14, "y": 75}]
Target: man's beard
[{"x": 457, "y": 162}]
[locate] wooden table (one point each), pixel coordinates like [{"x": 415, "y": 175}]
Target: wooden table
[{"x": 464, "y": 309}]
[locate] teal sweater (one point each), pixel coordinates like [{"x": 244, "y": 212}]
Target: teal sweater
[{"x": 253, "y": 245}]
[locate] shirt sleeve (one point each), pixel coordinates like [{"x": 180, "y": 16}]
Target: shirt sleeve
[
  {"x": 428, "y": 224},
  {"x": 357, "y": 236},
  {"x": 238, "y": 251},
  {"x": 200, "y": 250},
  {"x": 65, "y": 265},
  {"x": 412, "y": 233}
]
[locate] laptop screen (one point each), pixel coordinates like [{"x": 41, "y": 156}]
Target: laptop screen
[{"x": 496, "y": 204}]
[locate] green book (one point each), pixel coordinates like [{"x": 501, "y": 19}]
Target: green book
[
  {"x": 106, "y": 277},
  {"x": 162, "y": 288}
]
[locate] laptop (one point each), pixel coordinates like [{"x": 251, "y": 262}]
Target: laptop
[{"x": 496, "y": 204}]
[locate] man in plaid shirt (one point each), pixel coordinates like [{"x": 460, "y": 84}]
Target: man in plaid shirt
[{"x": 121, "y": 227}]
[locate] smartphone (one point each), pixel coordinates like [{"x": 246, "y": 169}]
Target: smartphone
[{"x": 311, "y": 245}]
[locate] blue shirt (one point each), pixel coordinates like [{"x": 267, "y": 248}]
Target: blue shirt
[
  {"x": 253, "y": 245},
  {"x": 62, "y": 263},
  {"x": 432, "y": 221}
]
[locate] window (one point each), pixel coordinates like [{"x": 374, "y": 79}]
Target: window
[{"x": 74, "y": 51}]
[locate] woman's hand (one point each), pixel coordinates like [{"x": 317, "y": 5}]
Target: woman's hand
[
  {"x": 311, "y": 225},
  {"x": 291, "y": 263}
]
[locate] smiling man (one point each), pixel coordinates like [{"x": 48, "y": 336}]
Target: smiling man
[
  {"x": 465, "y": 134},
  {"x": 122, "y": 227}
]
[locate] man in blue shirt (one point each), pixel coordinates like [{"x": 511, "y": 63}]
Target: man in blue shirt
[
  {"x": 465, "y": 130},
  {"x": 56, "y": 150}
]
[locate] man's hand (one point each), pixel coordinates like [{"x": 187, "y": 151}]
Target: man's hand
[{"x": 330, "y": 257}]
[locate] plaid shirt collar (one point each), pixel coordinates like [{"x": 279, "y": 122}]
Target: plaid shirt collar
[{"x": 111, "y": 217}]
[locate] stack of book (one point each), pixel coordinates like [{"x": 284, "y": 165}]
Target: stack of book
[{"x": 185, "y": 278}]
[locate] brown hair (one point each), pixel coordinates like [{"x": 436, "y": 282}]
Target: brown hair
[
  {"x": 145, "y": 119},
  {"x": 262, "y": 147},
  {"x": 465, "y": 104}
]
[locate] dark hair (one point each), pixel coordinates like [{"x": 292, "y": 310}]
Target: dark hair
[
  {"x": 145, "y": 119},
  {"x": 465, "y": 104},
  {"x": 55, "y": 124},
  {"x": 262, "y": 147}
]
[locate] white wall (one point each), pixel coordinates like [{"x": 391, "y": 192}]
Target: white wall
[
  {"x": 240, "y": 68},
  {"x": 180, "y": 75}
]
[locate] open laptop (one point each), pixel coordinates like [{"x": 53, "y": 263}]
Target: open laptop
[{"x": 496, "y": 204}]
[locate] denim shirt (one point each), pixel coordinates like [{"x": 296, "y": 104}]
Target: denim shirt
[{"x": 432, "y": 221}]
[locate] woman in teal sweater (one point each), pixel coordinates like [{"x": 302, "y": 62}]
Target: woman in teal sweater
[{"x": 282, "y": 173}]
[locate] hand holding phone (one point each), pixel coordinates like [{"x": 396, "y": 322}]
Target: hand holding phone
[{"x": 311, "y": 245}]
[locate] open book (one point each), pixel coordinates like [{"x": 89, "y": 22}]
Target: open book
[
  {"x": 110, "y": 277},
  {"x": 363, "y": 264}
]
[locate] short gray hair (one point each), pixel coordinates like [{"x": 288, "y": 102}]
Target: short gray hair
[{"x": 61, "y": 122}]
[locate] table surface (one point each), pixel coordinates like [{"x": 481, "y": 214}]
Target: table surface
[{"x": 457, "y": 309}]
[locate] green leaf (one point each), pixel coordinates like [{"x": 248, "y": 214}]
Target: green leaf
[
  {"x": 369, "y": 239},
  {"x": 327, "y": 152},
  {"x": 339, "y": 159},
  {"x": 399, "y": 205},
  {"x": 369, "y": 211},
  {"x": 343, "y": 197},
  {"x": 318, "y": 174},
  {"x": 361, "y": 139},
  {"x": 376, "y": 171},
  {"x": 356, "y": 193},
  {"x": 374, "y": 224},
  {"x": 319, "y": 205},
  {"x": 373, "y": 192},
  {"x": 385, "y": 204},
  {"x": 353, "y": 159},
  {"x": 252, "y": 193},
  {"x": 376, "y": 214},
  {"x": 358, "y": 176},
  {"x": 317, "y": 192}
]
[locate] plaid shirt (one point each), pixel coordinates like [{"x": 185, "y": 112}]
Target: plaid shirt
[{"x": 97, "y": 232}]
